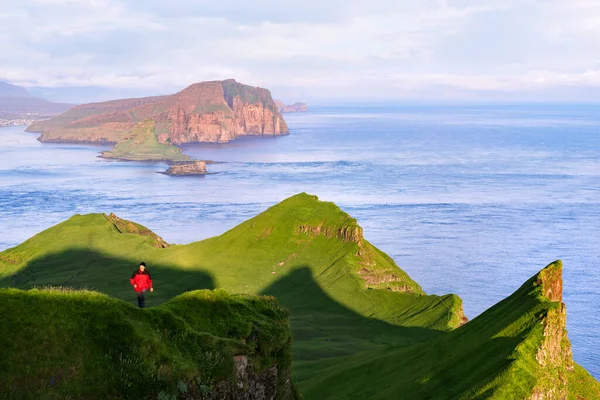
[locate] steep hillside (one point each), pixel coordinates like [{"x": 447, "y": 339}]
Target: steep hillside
[
  {"x": 216, "y": 111},
  {"x": 80, "y": 344},
  {"x": 517, "y": 349},
  {"x": 362, "y": 327}
]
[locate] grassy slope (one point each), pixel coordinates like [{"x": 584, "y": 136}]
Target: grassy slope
[
  {"x": 309, "y": 254},
  {"x": 493, "y": 356},
  {"x": 57, "y": 344},
  {"x": 142, "y": 145},
  {"x": 58, "y": 128},
  {"x": 63, "y": 119}
]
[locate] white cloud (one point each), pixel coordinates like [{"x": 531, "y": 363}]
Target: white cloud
[{"x": 379, "y": 49}]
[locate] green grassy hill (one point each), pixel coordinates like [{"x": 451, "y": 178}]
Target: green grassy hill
[
  {"x": 362, "y": 327},
  {"x": 80, "y": 344},
  {"x": 142, "y": 145}
]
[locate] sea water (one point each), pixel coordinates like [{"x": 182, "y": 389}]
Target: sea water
[{"x": 467, "y": 199}]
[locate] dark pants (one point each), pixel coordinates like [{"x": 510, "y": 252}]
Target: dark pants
[{"x": 142, "y": 299}]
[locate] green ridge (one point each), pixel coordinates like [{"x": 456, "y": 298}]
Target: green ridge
[
  {"x": 496, "y": 355},
  {"x": 80, "y": 344},
  {"x": 142, "y": 145},
  {"x": 362, "y": 327}
]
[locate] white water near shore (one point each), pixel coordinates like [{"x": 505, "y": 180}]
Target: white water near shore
[{"x": 471, "y": 200}]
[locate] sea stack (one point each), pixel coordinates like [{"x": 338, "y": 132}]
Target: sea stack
[{"x": 187, "y": 168}]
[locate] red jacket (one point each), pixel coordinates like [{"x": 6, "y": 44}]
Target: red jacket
[{"x": 143, "y": 280}]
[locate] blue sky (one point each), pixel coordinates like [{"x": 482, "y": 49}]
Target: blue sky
[{"x": 313, "y": 50}]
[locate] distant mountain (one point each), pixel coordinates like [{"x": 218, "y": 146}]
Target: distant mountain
[
  {"x": 215, "y": 111},
  {"x": 8, "y": 90},
  {"x": 16, "y": 101}
]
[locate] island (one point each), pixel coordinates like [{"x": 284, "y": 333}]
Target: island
[
  {"x": 187, "y": 168},
  {"x": 291, "y": 108},
  {"x": 205, "y": 112},
  {"x": 151, "y": 128}
]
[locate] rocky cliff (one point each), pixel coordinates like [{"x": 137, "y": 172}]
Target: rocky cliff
[{"x": 215, "y": 111}]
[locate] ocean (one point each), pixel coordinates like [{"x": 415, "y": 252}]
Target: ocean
[{"x": 468, "y": 199}]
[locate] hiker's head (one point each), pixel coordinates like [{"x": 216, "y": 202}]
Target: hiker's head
[{"x": 142, "y": 266}]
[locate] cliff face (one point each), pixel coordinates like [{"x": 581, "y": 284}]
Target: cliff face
[{"x": 216, "y": 111}]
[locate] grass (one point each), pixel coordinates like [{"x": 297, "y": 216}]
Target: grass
[
  {"x": 362, "y": 327},
  {"x": 57, "y": 343},
  {"x": 493, "y": 356},
  {"x": 247, "y": 94},
  {"x": 143, "y": 145}
]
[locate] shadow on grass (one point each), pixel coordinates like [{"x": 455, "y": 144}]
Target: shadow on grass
[
  {"x": 325, "y": 328},
  {"x": 89, "y": 269},
  {"x": 322, "y": 326}
]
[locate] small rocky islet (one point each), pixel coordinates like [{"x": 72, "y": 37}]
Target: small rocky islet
[{"x": 187, "y": 168}]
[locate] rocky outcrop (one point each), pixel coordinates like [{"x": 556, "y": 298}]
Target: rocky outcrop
[
  {"x": 348, "y": 234},
  {"x": 124, "y": 226},
  {"x": 254, "y": 385},
  {"x": 187, "y": 168},
  {"x": 215, "y": 111},
  {"x": 379, "y": 271},
  {"x": 291, "y": 108},
  {"x": 554, "y": 355}
]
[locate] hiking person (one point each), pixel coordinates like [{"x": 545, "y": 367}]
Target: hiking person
[{"x": 141, "y": 281}]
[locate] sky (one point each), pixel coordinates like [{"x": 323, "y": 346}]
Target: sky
[{"x": 309, "y": 50}]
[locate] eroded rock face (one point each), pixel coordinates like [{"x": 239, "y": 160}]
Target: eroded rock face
[
  {"x": 253, "y": 385},
  {"x": 348, "y": 234},
  {"x": 216, "y": 111},
  {"x": 188, "y": 168},
  {"x": 124, "y": 226},
  {"x": 247, "y": 383},
  {"x": 554, "y": 354}
]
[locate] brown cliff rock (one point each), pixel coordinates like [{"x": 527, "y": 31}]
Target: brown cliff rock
[
  {"x": 554, "y": 354},
  {"x": 215, "y": 111},
  {"x": 188, "y": 168},
  {"x": 124, "y": 226}
]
